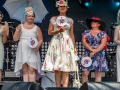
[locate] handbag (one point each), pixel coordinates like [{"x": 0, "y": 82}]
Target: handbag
[
  {"x": 76, "y": 58},
  {"x": 76, "y": 81}
]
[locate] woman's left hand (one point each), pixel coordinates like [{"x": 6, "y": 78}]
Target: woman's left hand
[
  {"x": 75, "y": 51},
  {"x": 36, "y": 49}
]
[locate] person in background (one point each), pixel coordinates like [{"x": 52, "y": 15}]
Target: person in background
[
  {"x": 117, "y": 41},
  {"x": 94, "y": 41},
  {"x": 28, "y": 63},
  {"x": 4, "y": 32}
]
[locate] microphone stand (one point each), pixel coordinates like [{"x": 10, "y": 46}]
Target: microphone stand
[
  {"x": 81, "y": 22},
  {"x": 50, "y": 80}
]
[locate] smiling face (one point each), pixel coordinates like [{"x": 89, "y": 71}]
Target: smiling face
[
  {"x": 62, "y": 9},
  {"x": 95, "y": 24},
  {"x": 30, "y": 18}
]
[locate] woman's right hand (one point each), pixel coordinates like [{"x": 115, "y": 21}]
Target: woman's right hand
[
  {"x": 18, "y": 28},
  {"x": 62, "y": 29}
]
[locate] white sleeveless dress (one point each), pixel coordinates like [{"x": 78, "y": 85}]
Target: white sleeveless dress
[{"x": 25, "y": 54}]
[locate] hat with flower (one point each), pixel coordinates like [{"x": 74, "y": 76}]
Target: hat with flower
[
  {"x": 29, "y": 11},
  {"x": 62, "y": 3},
  {"x": 90, "y": 20}
]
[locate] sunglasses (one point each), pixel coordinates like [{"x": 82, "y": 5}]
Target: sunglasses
[{"x": 95, "y": 21}]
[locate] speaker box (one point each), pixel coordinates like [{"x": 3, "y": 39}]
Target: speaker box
[
  {"x": 21, "y": 86},
  {"x": 61, "y": 88},
  {"x": 100, "y": 86}
]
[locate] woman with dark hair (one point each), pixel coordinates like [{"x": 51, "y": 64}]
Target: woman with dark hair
[
  {"x": 4, "y": 32},
  {"x": 60, "y": 55},
  {"x": 28, "y": 63},
  {"x": 94, "y": 41}
]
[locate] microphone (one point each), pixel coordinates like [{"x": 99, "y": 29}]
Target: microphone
[
  {"x": 7, "y": 22},
  {"x": 80, "y": 21}
]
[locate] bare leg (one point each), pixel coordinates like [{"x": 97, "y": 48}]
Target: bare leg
[
  {"x": 97, "y": 76},
  {"x": 32, "y": 74},
  {"x": 0, "y": 75},
  {"x": 65, "y": 79},
  {"x": 85, "y": 76},
  {"x": 58, "y": 78},
  {"x": 25, "y": 72}
]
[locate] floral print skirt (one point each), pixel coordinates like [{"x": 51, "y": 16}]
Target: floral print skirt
[{"x": 60, "y": 54}]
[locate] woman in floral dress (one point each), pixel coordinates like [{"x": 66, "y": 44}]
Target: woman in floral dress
[
  {"x": 60, "y": 55},
  {"x": 94, "y": 41}
]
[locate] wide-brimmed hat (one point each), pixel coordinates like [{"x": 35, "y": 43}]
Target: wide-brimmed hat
[
  {"x": 90, "y": 20},
  {"x": 62, "y": 3}
]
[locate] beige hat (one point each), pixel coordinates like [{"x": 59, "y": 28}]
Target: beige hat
[{"x": 28, "y": 10}]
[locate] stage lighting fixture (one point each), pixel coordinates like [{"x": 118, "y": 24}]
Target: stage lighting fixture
[
  {"x": 85, "y": 3},
  {"x": 116, "y": 3}
]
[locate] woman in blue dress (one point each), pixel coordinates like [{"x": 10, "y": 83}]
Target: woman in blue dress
[{"x": 94, "y": 41}]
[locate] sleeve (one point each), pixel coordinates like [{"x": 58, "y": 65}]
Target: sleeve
[
  {"x": 85, "y": 32},
  {"x": 104, "y": 34},
  {"x": 116, "y": 35},
  {"x": 53, "y": 20},
  {"x": 72, "y": 22}
]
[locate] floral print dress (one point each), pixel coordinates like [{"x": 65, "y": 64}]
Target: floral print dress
[
  {"x": 60, "y": 54},
  {"x": 98, "y": 60}
]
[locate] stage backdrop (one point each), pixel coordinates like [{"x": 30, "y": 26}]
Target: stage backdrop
[{"x": 104, "y": 9}]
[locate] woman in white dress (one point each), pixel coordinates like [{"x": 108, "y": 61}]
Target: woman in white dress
[
  {"x": 117, "y": 41},
  {"x": 4, "y": 32},
  {"x": 28, "y": 63},
  {"x": 60, "y": 55}
]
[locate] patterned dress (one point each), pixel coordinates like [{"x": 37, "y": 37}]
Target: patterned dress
[
  {"x": 98, "y": 60},
  {"x": 1, "y": 48},
  {"x": 60, "y": 54}
]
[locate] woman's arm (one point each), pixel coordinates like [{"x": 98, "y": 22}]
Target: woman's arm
[
  {"x": 102, "y": 45},
  {"x": 16, "y": 35},
  {"x": 116, "y": 35},
  {"x": 4, "y": 36},
  {"x": 51, "y": 30},
  {"x": 7, "y": 27},
  {"x": 85, "y": 44},
  {"x": 72, "y": 35},
  {"x": 39, "y": 36}
]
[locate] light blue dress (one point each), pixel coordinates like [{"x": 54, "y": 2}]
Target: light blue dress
[{"x": 1, "y": 48}]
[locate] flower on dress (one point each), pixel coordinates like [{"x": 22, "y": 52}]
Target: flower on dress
[
  {"x": 69, "y": 22},
  {"x": 58, "y": 26},
  {"x": 67, "y": 41},
  {"x": 54, "y": 57},
  {"x": 60, "y": 61},
  {"x": 45, "y": 64}
]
